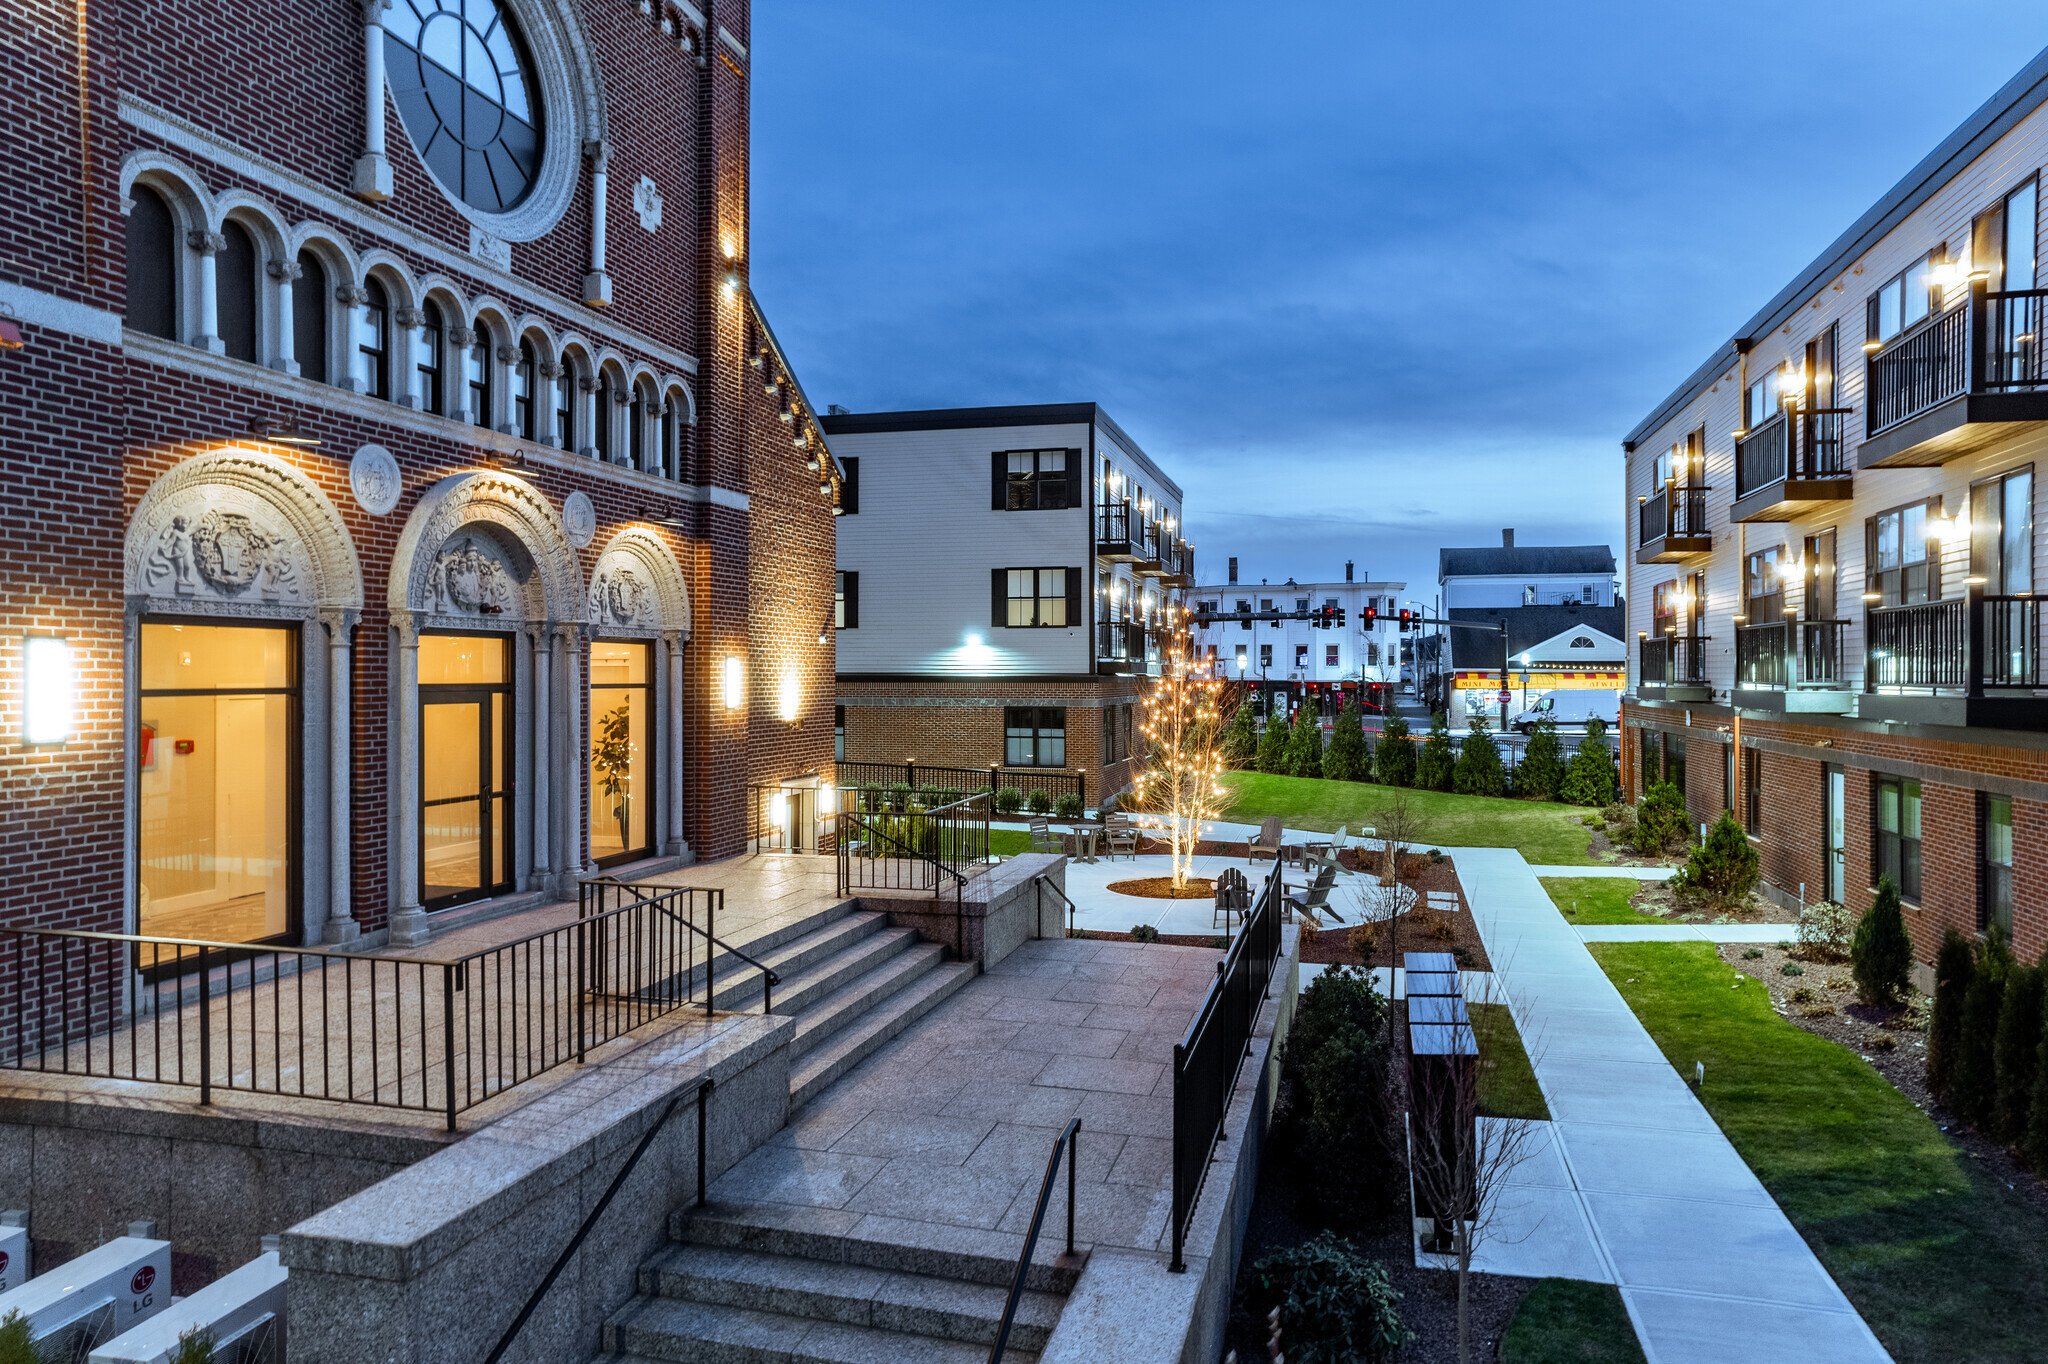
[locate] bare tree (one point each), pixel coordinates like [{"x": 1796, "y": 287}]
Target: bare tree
[
  {"x": 1459, "y": 1168},
  {"x": 1383, "y": 902}
]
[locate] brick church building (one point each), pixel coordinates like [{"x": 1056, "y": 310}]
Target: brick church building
[{"x": 407, "y": 508}]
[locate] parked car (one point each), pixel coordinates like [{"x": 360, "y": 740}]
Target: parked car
[{"x": 1571, "y": 708}]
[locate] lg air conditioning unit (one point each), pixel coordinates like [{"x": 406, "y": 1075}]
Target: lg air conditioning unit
[
  {"x": 83, "y": 1303},
  {"x": 243, "y": 1312}
]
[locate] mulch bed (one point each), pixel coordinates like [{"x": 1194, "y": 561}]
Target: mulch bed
[
  {"x": 1420, "y": 930},
  {"x": 1161, "y": 888},
  {"x": 1893, "y": 1041},
  {"x": 1655, "y": 897},
  {"x": 1211, "y": 940}
]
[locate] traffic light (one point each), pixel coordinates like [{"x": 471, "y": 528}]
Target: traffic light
[
  {"x": 1407, "y": 619},
  {"x": 1371, "y": 617}
]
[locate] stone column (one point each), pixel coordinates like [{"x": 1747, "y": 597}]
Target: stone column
[
  {"x": 586, "y": 390},
  {"x": 341, "y": 926},
  {"x": 286, "y": 273},
  {"x": 597, "y": 285},
  {"x": 544, "y": 431},
  {"x": 206, "y": 246},
  {"x": 405, "y": 359},
  {"x": 372, "y": 177},
  {"x": 671, "y": 721},
  {"x": 620, "y": 426},
  {"x": 576, "y": 863},
  {"x": 508, "y": 357},
  {"x": 542, "y": 644},
  {"x": 455, "y": 369},
  {"x": 352, "y": 297},
  {"x": 409, "y": 920}
]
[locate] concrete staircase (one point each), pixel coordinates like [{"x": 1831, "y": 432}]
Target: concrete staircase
[
  {"x": 751, "y": 1286},
  {"x": 851, "y": 982}
]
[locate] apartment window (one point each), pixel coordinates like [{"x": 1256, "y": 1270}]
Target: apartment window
[
  {"x": 565, "y": 405},
  {"x": 1995, "y": 879},
  {"x": 1898, "y": 834},
  {"x": 1588, "y": 593},
  {"x": 1329, "y": 655},
  {"x": 429, "y": 352},
  {"x": 476, "y": 376},
  {"x": 839, "y": 734},
  {"x": 1372, "y": 654},
  {"x": 1761, "y": 402},
  {"x": 846, "y": 601},
  {"x": 1265, "y": 657},
  {"x": 1903, "y": 300},
  {"x": 2002, "y": 532},
  {"x": 1901, "y": 568},
  {"x": 373, "y": 338},
  {"x": 1763, "y": 585},
  {"x": 1752, "y": 791},
  {"x": 1206, "y": 607},
  {"x": 1034, "y": 736},
  {"x": 525, "y": 373},
  {"x": 1116, "y": 734},
  {"x": 1301, "y": 606},
  {"x": 1035, "y": 480},
  {"x": 1675, "y": 605},
  {"x": 1033, "y": 597},
  {"x": 1301, "y": 658},
  {"x": 849, "y": 486}
]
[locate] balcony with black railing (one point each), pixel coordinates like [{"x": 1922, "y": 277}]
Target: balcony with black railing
[
  {"x": 1958, "y": 381},
  {"x": 1672, "y": 526},
  {"x": 1792, "y": 464},
  {"x": 1149, "y": 547},
  {"x": 1119, "y": 646},
  {"x": 1114, "y": 524},
  {"x": 1969, "y": 660},
  {"x": 1792, "y": 665},
  {"x": 1672, "y": 667}
]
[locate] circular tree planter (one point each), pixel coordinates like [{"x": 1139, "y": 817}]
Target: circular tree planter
[{"x": 1161, "y": 888}]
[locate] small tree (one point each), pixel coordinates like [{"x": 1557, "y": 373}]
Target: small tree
[
  {"x": 1335, "y": 1097},
  {"x": 1334, "y": 1305},
  {"x": 17, "y": 1340},
  {"x": 1435, "y": 769},
  {"x": 1273, "y": 743},
  {"x": 1479, "y": 771},
  {"x": 1722, "y": 869},
  {"x": 1182, "y": 723},
  {"x": 2016, "y": 1051},
  {"x": 1954, "y": 965},
  {"x": 195, "y": 1346},
  {"x": 1590, "y": 779},
  {"x": 1305, "y": 745},
  {"x": 1540, "y": 775},
  {"x": 1662, "y": 824},
  {"x": 1394, "y": 757},
  {"x": 1240, "y": 740},
  {"x": 1880, "y": 952},
  {"x": 1345, "y": 759},
  {"x": 1974, "y": 1085}
]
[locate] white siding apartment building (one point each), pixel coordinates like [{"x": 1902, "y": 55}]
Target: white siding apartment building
[
  {"x": 1834, "y": 581},
  {"x": 1284, "y": 663},
  {"x": 1006, "y": 580}
]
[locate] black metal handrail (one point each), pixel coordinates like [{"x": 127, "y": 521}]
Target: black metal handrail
[
  {"x": 655, "y": 896},
  {"x": 1919, "y": 370},
  {"x": 1063, "y": 1146},
  {"x": 700, "y": 1092},
  {"x": 1044, "y": 883},
  {"x": 2014, "y": 357},
  {"x": 1207, "y": 1059},
  {"x": 1113, "y": 527},
  {"x": 1797, "y": 444},
  {"x": 916, "y": 850},
  {"x": 1975, "y": 643},
  {"x": 1119, "y": 639},
  {"x": 900, "y": 785}
]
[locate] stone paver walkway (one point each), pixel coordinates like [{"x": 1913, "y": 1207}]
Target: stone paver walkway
[{"x": 1708, "y": 1264}]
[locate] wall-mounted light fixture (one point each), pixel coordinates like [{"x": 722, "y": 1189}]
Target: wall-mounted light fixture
[
  {"x": 49, "y": 690},
  {"x": 10, "y": 331},
  {"x": 283, "y": 431},
  {"x": 790, "y": 697},
  {"x": 735, "y": 682}
]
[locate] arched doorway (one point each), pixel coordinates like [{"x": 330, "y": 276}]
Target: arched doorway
[{"x": 639, "y": 618}]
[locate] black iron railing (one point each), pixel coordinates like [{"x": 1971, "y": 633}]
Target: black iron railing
[
  {"x": 1042, "y": 883},
  {"x": 1119, "y": 640},
  {"x": 1986, "y": 343},
  {"x": 1674, "y": 511},
  {"x": 2013, "y": 355},
  {"x": 1796, "y": 445},
  {"x": 375, "y": 1031},
  {"x": 1972, "y": 644},
  {"x": 1784, "y": 654},
  {"x": 1113, "y": 528},
  {"x": 1145, "y": 540},
  {"x": 899, "y": 786},
  {"x": 601, "y": 897},
  {"x": 1673, "y": 660},
  {"x": 917, "y": 852},
  {"x": 1063, "y": 1147},
  {"x": 1206, "y": 1061}
]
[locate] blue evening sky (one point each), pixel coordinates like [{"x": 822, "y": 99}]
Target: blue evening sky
[{"x": 1365, "y": 278}]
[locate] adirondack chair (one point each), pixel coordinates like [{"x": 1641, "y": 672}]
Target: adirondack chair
[
  {"x": 1313, "y": 900},
  {"x": 1043, "y": 839},
  {"x": 1233, "y": 897},
  {"x": 1318, "y": 852},
  {"x": 1267, "y": 842}
]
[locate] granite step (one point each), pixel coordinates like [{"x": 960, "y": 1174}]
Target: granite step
[
  {"x": 812, "y": 986},
  {"x": 852, "y": 1295},
  {"x": 888, "y": 1244},
  {"x": 739, "y": 985},
  {"x": 843, "y": 1033},
  {"x": 659, "y": 1329}
]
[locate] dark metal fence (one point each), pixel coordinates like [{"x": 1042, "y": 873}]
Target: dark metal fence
[
  {"x": 1797, "y": 444},
  {"x": 1113, "y": 528},
  {"x": 1777, "y": 655},
  {"x": 1975, "y": 644},
  {"x": 1119, "y": 640},
  {"x": 1206, "y": 1061},
  {"x": 1919, "y": 371},
  {"x": 1673, "y": 511},
  {"x": 379, "y": 1031},
  {"x": 1673, "y": 660},
  {"x": 2013, "y": 354},
  {"x": 898, "y": 786}
]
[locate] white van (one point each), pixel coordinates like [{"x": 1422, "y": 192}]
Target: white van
[{"x": 1571, "y": 708}]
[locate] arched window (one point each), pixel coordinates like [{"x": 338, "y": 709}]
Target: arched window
[
  {"x": 476, "y": 375},
  {"x": 309, "y": 317},
  {"x": 429, "y": 352},
  {"x": 524, "y": 374},
  {"x": 636, "y": 428},
  {"x": 152, "y": 266},
  {"x": 234, "y": 284},
  {"x": 373, "y": 339},
  {"x": 672, "y": 437},
  {"x": 601, "y": 425},
  {"x": 565, "y": 405}
]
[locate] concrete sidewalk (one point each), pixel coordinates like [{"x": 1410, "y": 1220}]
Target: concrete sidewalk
[{"x": 1708, "y": 1265}]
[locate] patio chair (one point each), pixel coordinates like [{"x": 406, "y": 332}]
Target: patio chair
[
  {"x": 1043, "y": 839},
  {"x": 1313, "y": 901},
  {"x": 1233, "y": 897},
  {"x": 1266, "y": 843},
  {"x": 1119, "y": 835}
]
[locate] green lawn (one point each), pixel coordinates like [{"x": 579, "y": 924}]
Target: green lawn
[
  {"x": 1008, "y": 842},
  {"x": 1544, "y": 833},
  {"x": 1598, "y": 900},
  {"x": 1939, "y": 1258},
  {"x": 1507, "y": 1082},
  {"x": 1564, "y": 1321}
]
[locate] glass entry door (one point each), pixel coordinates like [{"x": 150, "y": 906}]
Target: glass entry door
[
  {"x": 621, "y": 751},
  {"x": 466, "y": 767},
  {"x": 1835, "y": 856}
]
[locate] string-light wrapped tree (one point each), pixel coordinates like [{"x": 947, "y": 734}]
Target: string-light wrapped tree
[{"x": 1183, "y": 722}]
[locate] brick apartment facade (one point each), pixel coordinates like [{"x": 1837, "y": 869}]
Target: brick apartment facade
[
  {"x": 1008, "y": 580},
  {"x": 354, "y": 492},
  {"x": 1834, "y": 578}
]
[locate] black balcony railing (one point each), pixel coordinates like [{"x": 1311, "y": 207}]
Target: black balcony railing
[
  {"x": 1987, "y": 343},
  {"x": 1675, "y": 510},
  {"x": 902, "y": 786},
  {"x": 1673, "y": 660},
  {"x": 1113, "y": 528},
  {"x": 1119, "y": 640},
  {"x": 1795, "y": 445},
  {"x": 1971, "y": 644},
  {"x": 1784, "y": 654}
]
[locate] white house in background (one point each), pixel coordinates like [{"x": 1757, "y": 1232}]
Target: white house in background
[
  {"x": 1562, "y": 647},
  {"x": 1509, "y": 574},
  {"x": 1289, "y": 661}
]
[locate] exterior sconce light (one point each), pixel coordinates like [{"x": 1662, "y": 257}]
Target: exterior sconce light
[
  {"x": 10, "y": 331},
  {"x": 778, "y": 810},
  {"x": 286, "y": 431},
  {"x": 735, "y": 682},
  {"x": 49, "y": 691},
  {"x": 790, "y": 697}
]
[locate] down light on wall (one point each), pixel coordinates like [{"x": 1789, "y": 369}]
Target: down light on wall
[
  {"x": 790, "y": 696},
  {"x": 283, "y": 431},
  {"x": 49, "y": 690},
  {"x": 735, "y": 682}
]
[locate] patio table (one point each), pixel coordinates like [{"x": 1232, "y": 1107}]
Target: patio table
[{"x": 1084, "y": 833}]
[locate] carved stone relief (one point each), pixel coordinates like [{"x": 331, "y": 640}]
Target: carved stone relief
[
  {"x": 225, "y": 554},
  {"x": 620, "y": 596},
  {"x": 468, "y": 579},
  {"x": 579, "y": 518},
  {"x": 374, "y": 478},
  {"x": 647, "y": 202}
]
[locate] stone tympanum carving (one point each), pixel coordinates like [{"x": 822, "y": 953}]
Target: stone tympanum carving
[
  {"x": 223, "y": 552},
  {"x": 467, "y": 580}
]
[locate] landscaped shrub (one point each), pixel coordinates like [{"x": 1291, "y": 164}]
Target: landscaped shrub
[
  {"x": 1393, "y": 758},
  {"x": 899, "y": 795},
  {"x": 1039, "y": 802},
  {"x": 1954, "y": 965},
  {"x": 194, "y": 1347},
  {"x": 1068, "y": 806},
  {"x": 1240, "y": 740},
  {"x": 1273, "y": 746},
  {"x": 1540, "y": 774},
  {"x": 2015, "y": 1052},
  {"x": 1662, "y": 824},
  {"x": 1880, "y": 952},
  {"x": 1590, "y": 779},
  {"x": 1363, "y": 940},
  {"x": 1479, "y": 771},
  {"x": 1826, "y": 930},
  {"x": 1722, "y": 870},
  {"x": 1335, "y": 1110},
  {"x": 1305, "y": 744},
  {"x": 1973, "y": 1087},
  {"x": 1346, "y": 758},
  {"x": 1435, "y": 767},
  {"x": 1336, "y": 1306},
  {"x": 17, "y": 1342},
  {"x": 1008, "y": 800},
  {"x": 1144, "y": 933},
  {"x": 2035, "y": 1147}
]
